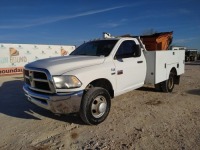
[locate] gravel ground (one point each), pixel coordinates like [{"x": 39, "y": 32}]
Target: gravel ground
[{"x": 141, "y": 119}]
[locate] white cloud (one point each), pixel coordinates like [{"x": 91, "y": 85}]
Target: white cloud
[
  {"x": 113, "y": 24},
  {"x": 109, "y": 25},
  {"x": 48, "y": 20},
  {"x": 184, "y": 11}
]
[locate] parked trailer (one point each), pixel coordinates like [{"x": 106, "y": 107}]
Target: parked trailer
[{"x": 191, "y": 55}]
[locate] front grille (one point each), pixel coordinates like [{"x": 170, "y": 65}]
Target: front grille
[
  {"x": 26, "y": 72},
  {"x": 39, "y": 75},
  {"x": 42, "y": 85},
  {"x": 27, "y": 81},
  {"x": 37, "y": 80}
]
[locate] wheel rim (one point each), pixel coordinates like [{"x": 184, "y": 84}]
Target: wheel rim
[
  {"x": 99, "y": 106},
  {"x": 171, "y": 82}
]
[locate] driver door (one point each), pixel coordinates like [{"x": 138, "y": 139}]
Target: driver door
[{"x": 130, "y": 66}]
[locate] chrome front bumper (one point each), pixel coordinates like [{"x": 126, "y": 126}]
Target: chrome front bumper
[{"x": 57, "y": 103}]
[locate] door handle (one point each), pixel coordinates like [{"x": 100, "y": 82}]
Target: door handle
[
  {"x": 119, "y": 72},
  {"x": 139, "y": 61}
]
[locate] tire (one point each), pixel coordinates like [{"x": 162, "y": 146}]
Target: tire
[
  {"x": 95, "y": 106},
  {"x": 168, "y": 85},
  {"x": 158, "y": 87}
]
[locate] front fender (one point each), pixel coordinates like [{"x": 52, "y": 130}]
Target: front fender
[{"x": 89, "y": 74}]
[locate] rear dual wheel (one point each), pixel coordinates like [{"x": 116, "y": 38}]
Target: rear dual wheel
[
  {"x": 158, "y": 87},
  {"x": 166, "y": 86}
]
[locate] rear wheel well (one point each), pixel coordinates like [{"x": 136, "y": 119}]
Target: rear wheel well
[
  {"x": 173, "y": 70},
  {"x": 103, "y": 83},
  {"x": 176, "y": 77}
]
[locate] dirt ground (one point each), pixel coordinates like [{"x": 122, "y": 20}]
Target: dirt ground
[{"x": 141, "y": 119}]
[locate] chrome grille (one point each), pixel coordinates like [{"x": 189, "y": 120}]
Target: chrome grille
[
  {"x": 42, "y": 85},
  {"x": 38, "y": 80},
  {"x": 39, "y": 75}
]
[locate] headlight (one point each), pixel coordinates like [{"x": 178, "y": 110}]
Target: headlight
[{"x": 66, "y": 82}]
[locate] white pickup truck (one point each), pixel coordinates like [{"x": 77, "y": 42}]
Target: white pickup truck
[{"x": 97, "y": 71}]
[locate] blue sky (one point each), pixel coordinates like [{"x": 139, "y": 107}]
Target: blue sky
[{"x": 72, "y": 22}]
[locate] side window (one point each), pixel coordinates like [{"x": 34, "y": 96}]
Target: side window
[{"x": 128, "y": 49}]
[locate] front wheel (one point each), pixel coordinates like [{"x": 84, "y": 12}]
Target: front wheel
[{"x": 95, "y": 106}]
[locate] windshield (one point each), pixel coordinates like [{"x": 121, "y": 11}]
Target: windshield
[{"x": 95, "y": 48}]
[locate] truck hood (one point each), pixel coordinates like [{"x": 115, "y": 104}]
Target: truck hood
[{"x": 63, "y": 64}]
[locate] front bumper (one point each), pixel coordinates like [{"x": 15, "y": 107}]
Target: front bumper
[{"x": 57, "y": 103}]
